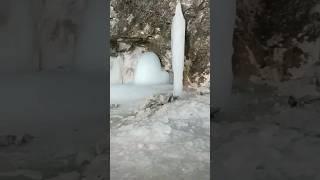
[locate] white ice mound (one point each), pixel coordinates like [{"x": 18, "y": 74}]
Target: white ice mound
[{"x": 148, "y": 70}]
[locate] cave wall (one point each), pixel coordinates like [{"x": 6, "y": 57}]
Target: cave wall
[
  {"x": 276, "y": 40},
  {"x": 147, "y": 23},
  {"x": 40, "y": 35}
]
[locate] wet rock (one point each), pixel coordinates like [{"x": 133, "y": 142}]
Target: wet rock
[
  {"x": 113, "y": 106},
  {"x": 157, "y": 100}
]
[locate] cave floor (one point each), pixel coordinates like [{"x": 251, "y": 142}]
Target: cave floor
[
  {"x": 261, "y": 137},
  {"x": 64, "y": 114},
  {"x": 168, "y": 140}
]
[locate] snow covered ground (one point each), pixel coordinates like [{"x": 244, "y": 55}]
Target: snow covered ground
[
  {"x": 161, "y": 139},
  {"x": 260, "y": 137},
  {"x": 66, "y": 114}
]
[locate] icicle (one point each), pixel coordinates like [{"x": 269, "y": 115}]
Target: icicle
[{"x": 177, "y": 48}]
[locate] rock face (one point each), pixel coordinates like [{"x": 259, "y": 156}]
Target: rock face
[
  {"x": 276, "y": 40},
  {"x": 148, "y": 24}
]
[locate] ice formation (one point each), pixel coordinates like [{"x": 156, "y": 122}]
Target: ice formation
[
  {"x": 177, "y": 46},
  {"x": 115, "y": 70},
  {"x": 132, "y": 94},
  {"x": 130, "y": 60},
  {"x": 148, "y": 70},
  {"x": 171, "y": 141},
  {"x": 148, "y": 78}
]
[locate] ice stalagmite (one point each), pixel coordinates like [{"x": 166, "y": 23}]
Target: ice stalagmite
[{"x": 177, "y": 48}]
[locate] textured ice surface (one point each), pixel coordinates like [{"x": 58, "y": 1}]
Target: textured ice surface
[
  {"x": 115, "y": 70},
  {"x": 177, "y": 46},
  {"x": 127, "y": 93},
  {"x": 148, "y": 78},
  {"x": 130, "y": 60},
  {"x": 148, "y": 70},
  {"x": 138, "y": 68},
  {"x": 172, "y": 142}
]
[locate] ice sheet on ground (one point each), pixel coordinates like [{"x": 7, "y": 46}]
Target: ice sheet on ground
[
  {"x": 172, "y": 142},
  {"x": 130, "y": 93}
]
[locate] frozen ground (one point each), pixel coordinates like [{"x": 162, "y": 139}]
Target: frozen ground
[
  {"x": 133, "y": 94},
  {"x": 66, "y": 115},
  {"x": 161, "y": 140},
  {"x": 260, "y": 137}
]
